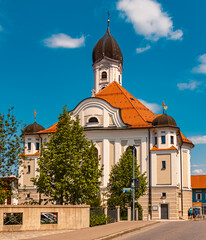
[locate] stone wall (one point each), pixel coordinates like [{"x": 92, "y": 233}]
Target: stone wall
[
  {"x": 187, "y": 202},
  {"x": 69, "y": 217},
  {"x": 172, "y": 199}
]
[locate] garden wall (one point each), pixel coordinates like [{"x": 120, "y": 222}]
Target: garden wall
[{"x": 48, "y": 217}]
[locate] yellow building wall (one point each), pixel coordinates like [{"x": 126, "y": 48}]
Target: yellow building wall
[{"x": 164, "y": 175}]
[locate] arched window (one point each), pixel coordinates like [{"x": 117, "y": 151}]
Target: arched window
[
  {"x": 93, "y": 120},
  {"x": 104, "y": 75},
  {"x": 103, "y": 87}
]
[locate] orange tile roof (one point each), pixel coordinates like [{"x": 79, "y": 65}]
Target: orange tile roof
[
  {"x": 198, "y": 181},
  {"x": 51, "y": 129},
  {"x": 163, "y": 149},
  {"x": 26, "y": 155},
  {"x": 184, "y": 139},
  {"x": 133, "y": 112}
]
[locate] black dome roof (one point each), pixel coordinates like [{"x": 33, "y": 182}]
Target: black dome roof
[
  {"x": 107, "y": 47},
  {"x": 164, "y": 120},
  {"x": 33, "y": 129}
]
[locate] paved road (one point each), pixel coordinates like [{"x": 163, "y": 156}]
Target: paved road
[{"x": 178, "y": 230}]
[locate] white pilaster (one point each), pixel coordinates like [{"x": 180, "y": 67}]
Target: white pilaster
[{"x": 106, "y": 161}]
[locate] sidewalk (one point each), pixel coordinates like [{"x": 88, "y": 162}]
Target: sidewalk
[{"x": 102, "y": 232}]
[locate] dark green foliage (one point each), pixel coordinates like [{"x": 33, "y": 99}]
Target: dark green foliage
[
  {"x": 139, "y": 206},
  {"x": 10, "y": 148},
  {"x": 120, "y": 178},
  {"x": 123, "y": 214},
  {"x": 96, "y": 220},
  {"x": 97, "y": 217},
  {"x": 68, "y": 167},
  {"x": 10, "y": 144}
]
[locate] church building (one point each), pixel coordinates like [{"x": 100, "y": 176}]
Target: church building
[{"x": 116, "y": 120}]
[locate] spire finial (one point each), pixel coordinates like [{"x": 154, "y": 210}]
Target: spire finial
[
  {"x": 164, "y": 107},
  {"x": 35, "y": 115},
  {"x": 108, "y": 20}
]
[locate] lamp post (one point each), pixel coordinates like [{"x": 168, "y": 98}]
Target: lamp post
[
  {"x": 133, "y": 182},
  {"x": 133, "y": 187}
]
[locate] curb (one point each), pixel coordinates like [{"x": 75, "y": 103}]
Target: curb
[{"x": 114, "y": 235}]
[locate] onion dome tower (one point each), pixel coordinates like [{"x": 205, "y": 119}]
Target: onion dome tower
[
  {"x": 32, "y": 129},
  {"x": 107, "y": 61},
  {"x": 164, "y": 120}
]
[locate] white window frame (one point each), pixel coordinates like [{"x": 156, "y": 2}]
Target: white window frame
[{"x": 200, "y": 199}]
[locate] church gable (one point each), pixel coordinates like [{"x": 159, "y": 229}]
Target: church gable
[{"x": 95, "y": 112}]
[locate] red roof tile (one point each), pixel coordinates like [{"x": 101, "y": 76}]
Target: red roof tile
[
  {"x": 163, "y": 149},
  {"x": 198, "y": 181},
  {"x": 133, "y": 112},
  {"x": 184, "y": 139},
  {"x": 26, "y": 155},
  {"x": 51, "y": 129}
]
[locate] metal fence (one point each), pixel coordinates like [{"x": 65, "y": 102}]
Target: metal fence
[
  {"x": 112, "y": 215},
  {"x": 123, "y": 214}
]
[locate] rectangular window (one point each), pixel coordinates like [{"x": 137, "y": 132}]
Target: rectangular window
[
  {"x": 198, "y": 196},
  {"x": 28, "y": 169},
  {"x": 49, "y": 218},
  {"x": 172, "y": 139},
  {"x": 164, "y": 195},
  {"x": 37, "y": 146},
  {"x": 29, "y": 146},
  {"x": 155, "y": 140},
  {"x": 163, "y": 165},
  {"x": 28, "y": 196},
  {"x": 163, "y": 139},
  {"x": 13, "y": 218}
]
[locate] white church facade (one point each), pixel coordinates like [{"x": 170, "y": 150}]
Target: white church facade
[{"x": 115, "y": 120}]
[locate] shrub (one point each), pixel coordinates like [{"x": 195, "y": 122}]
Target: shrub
[{"x": 99, "y": 219}]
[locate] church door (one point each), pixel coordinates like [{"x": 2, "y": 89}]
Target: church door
[{"x": 164, "y": 211}]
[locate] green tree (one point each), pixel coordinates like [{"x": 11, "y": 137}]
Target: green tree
[
  {"x": 69, "y": 171},
  {"x": 120, "y": 177},
  {"x": 10, "y": 148}
]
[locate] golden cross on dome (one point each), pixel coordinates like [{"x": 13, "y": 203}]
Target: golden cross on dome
[
  {"x": 164, "y": 107},
  {"x": 35, "y": 115}
]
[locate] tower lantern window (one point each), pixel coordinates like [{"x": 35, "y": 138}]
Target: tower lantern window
[{"x": 104, "y": 75}]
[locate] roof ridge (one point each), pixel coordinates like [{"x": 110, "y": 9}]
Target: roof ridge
[{"x": 130, "y": 101}]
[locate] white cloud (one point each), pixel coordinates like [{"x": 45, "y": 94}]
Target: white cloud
[
  {"x": 201, "y": 68},
  {"x": 176, "y": 35},
  {"x": 198, "y": 165},
  {"x": 192, "y": 85},
  {"x": 62, "y": 40},
  {"x": 198, "y": 139},
  {"x": 154, "y": 107},
  {"x": 149, "y": 19},
  {"x": 197, "y": 171},
  {"x": 143, "y": 49}
]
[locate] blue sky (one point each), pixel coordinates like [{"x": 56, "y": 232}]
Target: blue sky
[{"x": 46, "y": 58}]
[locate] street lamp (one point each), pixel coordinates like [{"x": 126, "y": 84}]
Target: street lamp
[{"x": 133, "y": 183}]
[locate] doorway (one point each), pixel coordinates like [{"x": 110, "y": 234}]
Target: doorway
[{"x": 164, "y": 211}]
